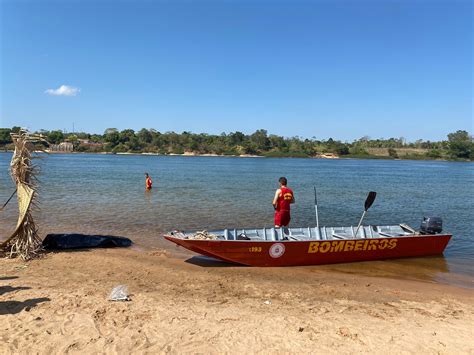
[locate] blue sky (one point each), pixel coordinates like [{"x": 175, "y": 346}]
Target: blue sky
[{"x": 340, "y": 69}]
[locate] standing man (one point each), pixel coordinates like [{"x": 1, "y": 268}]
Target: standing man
[
  {"x": 281, "y": 202},
  {"x": 148, "y": 182}
]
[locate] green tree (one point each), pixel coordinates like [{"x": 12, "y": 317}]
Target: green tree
[
  {"x": 392, "y": 153},
  {"x": 237, "y": 138},
  {"x": 134, "y": 144},
  {"x": 96, "y": 138},
  {"x": 126, "y": 135},
  {"x": 144, "y": 136},
  {"x": 358, "y": 150},
  {"x": 5, "y": 137},
  {"x": 55, "y": 137},
  {"x": 120, "y": 148},
  {"x": 158, "y": 141},
  {"x": 260, "y": 139},
  {"x": 73, "y": 139},
  {"x": 460, "y": 145},
  {"x": 112, "y": 136},
  {"x": 341, "y": 149},
  {"x": 249, "y": 148},
  {"x": 82, "y": 135},
  {"x": 434, "y": 154},
  {"x": 278, "y": 143}
]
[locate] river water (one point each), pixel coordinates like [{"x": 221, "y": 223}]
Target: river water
[{"x": 94, "y": 193}]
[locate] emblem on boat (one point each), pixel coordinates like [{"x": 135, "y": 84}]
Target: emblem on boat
[{"x": 277, "y": 250}]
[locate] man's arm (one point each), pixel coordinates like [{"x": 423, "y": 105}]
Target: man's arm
[
  {"x": 275, "y": 199},
  {"x": 292, "y": 198}
]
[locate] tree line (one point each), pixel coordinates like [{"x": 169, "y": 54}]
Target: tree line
[{"x": 458, "y": 145}]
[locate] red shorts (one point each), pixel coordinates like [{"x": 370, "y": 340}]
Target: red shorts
[{"x": 282, "y": 218}]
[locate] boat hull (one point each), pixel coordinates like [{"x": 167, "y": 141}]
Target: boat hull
[{"x": 311, "y": 252}]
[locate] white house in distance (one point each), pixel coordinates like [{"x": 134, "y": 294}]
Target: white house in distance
[{"x": 61, "y": 147}]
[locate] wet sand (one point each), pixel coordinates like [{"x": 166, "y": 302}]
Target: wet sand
[{"x": 59, "y": 304}]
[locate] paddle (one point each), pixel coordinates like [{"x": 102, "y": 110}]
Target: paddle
[
  {"x": 316, "y": 207},
  {"x": 368, "y": 202}
]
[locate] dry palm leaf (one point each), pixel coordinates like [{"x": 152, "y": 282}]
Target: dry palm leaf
[{"x": 24, "y": 242}]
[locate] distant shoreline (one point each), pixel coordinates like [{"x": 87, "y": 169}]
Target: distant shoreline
[
  {"x": 348, "y": 157},
  {"x": 459, "y": 145}
]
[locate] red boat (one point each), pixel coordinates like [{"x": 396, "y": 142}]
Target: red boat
[{"x": 314, "y": 246}]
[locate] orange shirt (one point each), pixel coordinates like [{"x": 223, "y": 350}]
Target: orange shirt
[
  {"x": 148, "y": 183},
  {"x": 285, "y": 198}
]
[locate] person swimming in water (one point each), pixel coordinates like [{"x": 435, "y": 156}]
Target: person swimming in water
[{"x": 148, "y": 182}]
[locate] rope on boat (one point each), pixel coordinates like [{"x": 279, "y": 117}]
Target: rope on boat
[{"x": 202, "y": 235}]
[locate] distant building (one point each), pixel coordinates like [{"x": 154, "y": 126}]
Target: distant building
[{"x": 61, "y": 147}]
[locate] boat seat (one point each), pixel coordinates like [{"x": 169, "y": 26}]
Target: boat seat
[{"x": 406, "y": 228}]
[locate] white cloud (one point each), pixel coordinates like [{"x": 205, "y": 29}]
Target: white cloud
[{"x": 63, "y": 90}]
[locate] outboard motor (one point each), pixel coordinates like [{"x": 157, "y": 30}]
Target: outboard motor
[{"x": 431, "y": 225}]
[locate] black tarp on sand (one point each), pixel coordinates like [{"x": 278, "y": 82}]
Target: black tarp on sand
[{"x": 78, "y": 241}]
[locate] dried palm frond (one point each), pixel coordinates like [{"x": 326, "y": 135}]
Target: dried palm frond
[{"x": 24, "y": 242}]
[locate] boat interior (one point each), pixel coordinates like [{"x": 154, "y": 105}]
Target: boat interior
[{"x": 302, "y": 234}]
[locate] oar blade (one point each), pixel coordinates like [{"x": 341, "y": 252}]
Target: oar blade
[{"x": 370, "y": 199}]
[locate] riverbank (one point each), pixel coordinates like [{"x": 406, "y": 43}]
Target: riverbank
[{"x": 59, "y": 304}]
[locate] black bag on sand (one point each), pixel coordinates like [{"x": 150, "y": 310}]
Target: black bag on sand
[{"x": 78, "y": 241}]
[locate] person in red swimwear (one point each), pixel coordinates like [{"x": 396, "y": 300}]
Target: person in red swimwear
[
  {"x": 148, "y": 182},
  {"x": 284, "y": 197}
]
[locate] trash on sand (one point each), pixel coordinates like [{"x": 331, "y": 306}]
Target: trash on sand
[
  {"x": 119, "y": 293},
  {"x": 20, "y": 267},
  {"x": 267, "y": 302}
]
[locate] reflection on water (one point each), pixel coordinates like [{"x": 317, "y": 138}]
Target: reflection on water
[
  {"x": 427, "y": 268},
  {"x": 205, "y": 261},
  {"x": 105, "y": 194},
  {"x": 432, "y": 269}
]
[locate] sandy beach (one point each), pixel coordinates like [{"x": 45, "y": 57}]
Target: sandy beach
[{"x": 59, "y": 304}]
